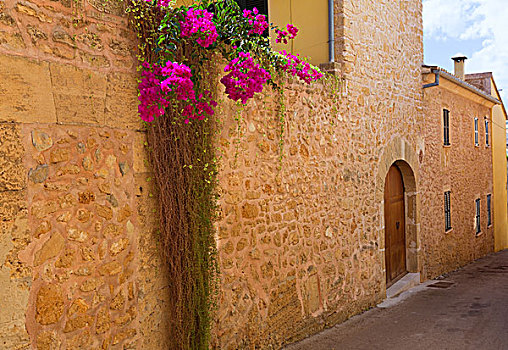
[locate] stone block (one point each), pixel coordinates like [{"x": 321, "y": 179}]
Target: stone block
[
  {"x": 41, "y": 140},
  {"x": 12, "y": 174},
  {"x": 50, "y": 249},
  {"x": 49, "y": 304},
  {"x": 48, "y": 341},
  {"x": 26, "y": 91},
  {"x": 77, "y": 81},
  {"x": 122, "y": 102},
  {"x": 11, "y": 203},
  {"x": 104, "y": 211},
  {"x": 79, "y": 109},
  {"x": 13, "y": 41}
]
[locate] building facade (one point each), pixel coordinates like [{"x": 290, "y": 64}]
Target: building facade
[
  {"x": 302, "y": 242},
  {"x": 486, "y": 83},
  {"x": 457, "y": 179}
]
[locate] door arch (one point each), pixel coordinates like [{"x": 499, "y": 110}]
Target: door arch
[{"x": 395, "y": 225}]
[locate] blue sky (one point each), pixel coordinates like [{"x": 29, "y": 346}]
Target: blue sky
[{"x": 476, "y": 28}]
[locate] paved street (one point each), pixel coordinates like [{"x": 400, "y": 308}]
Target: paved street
[{"x": 471, "y": 312}]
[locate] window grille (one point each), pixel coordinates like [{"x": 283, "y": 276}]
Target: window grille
[
  {"x": 447, "y": 210},
  {"x": 489, "y": 210},
  {"x": 477, "y": 218},
  {"x": 446, "y": 127},
  {"x": 476, "y": 142}
]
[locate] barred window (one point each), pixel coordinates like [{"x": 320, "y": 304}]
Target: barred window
[
  {"x": 489, "y": 210},
  {"x": 447, "y": 211},
  {"x": 487, "y": 132},
  {"x": 446, "y": 127},
  {"x": 477, "y": 218},
  {"x": 476, "y": 141}
]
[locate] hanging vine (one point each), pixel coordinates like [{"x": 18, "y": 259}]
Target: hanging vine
[{"x": 181, "y": 50}]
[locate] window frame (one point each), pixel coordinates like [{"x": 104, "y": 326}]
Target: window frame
[
  {"x": 487, "y": 133},
  {"x": 446, "y": 127},
  {"x": 489, "y": 210},
  {"x": 244, "y": 5},
  {"x": 448, "y": 210},
  {"x": 476, "y": 132},
  {"x": 477, "y": 216}
]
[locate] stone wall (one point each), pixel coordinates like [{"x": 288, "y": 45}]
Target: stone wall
[
  {"x": 79, "y": 262},
  {"x": 301, "y": 240},
  {"x": 461, "y": 168}
]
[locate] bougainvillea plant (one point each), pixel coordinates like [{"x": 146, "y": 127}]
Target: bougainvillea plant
[
  {"x": 185, "y": 53},
  {"x": 239, "y": 37}
]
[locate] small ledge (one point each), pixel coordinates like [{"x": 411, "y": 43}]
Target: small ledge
[
  {"x": 332, "y": 68},
  {"x": 409, "y": 281}
]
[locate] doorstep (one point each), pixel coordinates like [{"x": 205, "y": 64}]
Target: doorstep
[
  {"x": 409, "y": 281},
  {"x": 402, "y": 289}
]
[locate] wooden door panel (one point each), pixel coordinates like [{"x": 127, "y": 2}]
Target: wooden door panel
[{"x": 395, "y": 237}]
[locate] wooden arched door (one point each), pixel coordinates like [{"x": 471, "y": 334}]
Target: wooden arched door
[{"x": 395, "y": 234}]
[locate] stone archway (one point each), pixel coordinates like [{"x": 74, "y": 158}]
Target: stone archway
[{"x": 401, "y": 154}]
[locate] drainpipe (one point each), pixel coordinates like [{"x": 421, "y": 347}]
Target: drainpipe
[
  {"x": 331, "y": 31},
  {"x": 436, "y": 81}
]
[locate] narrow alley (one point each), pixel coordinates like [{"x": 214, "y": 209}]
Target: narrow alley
[{"x": 467, "y": 309}]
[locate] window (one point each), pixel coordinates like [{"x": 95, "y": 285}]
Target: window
[
  {"x": 477, "y": 218},
  {"x": 261, "y": 5},
  {"x": 489, "y": 210},
  {"x": 446, "y": 127},
  {"x": 476, "y": 142},
  {"x": 486, "y": 132},
  {"x": 447, "y": 211}
]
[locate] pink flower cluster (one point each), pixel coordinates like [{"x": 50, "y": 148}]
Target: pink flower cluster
[
  {"x": 298, "y": 67},
  {"x": 199, "y": 22},
  {"x": 151, "y": 98},
  {"x": 163, "y": 3},
  {"x": 178, "y": 81},
  {"x": 257, "y": 21},
  {"x": 283, "y": 36},
  {"x": 155, "y": 95},
  {"x": 245, "y": 78}
]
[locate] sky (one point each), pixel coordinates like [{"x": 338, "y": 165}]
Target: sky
[{"x": 476, "y": 28}]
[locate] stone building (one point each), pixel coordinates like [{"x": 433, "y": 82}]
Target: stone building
[
  {"x": 304, "y": 240},
  {"x": 456, "y": 171},
  {"x": 486, "y": 83}
]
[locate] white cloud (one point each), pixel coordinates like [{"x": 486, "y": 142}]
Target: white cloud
[{"x": 463, "y": 20}]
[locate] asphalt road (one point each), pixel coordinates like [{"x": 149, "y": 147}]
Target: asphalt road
[{"x": 471, "y": 312}]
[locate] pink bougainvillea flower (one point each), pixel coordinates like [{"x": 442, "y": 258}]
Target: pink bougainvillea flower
[
  {"x": 199, "y": 22},
  {"x": 160, "y": 84},
  {"x": 296, "y": 66},
  {"x": 257, "y": 21},
  {"x": 244, "y": 78},
  {"x": 284, "y": 36},
  {"x": 152, "y": 99}
]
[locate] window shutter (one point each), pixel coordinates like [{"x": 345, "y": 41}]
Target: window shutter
[
  {"x": 261, "y": 5},
  {"x": 486, "y": 132},
  {"x": 478, "y": 229},
  {"x": 489, "y": 210},
  {"x": 447, "y": 209},
  {"x": 446, "y": 127},
  {"x": 476, "y": 141}
]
